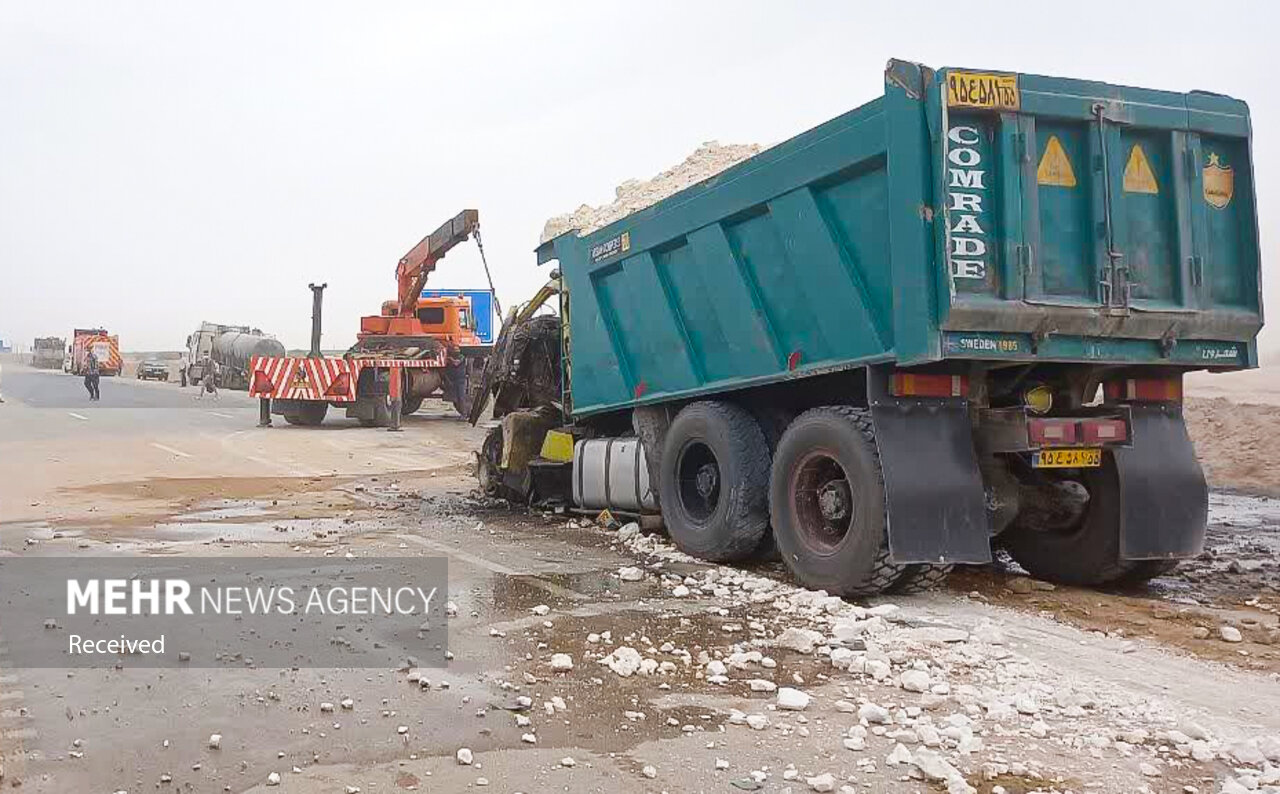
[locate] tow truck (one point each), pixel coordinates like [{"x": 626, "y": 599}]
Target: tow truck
[{"x": 416, "y": 347}]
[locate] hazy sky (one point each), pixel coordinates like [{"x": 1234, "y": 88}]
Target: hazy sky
[{"x": 163, "y": 163}]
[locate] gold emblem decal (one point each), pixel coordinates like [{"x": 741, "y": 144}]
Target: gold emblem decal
[
  {"x": 300, "y": 380},
  {"x": 1219, "y": 182}
]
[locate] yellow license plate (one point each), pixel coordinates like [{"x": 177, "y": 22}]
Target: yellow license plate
[
  {"x": 1066, "y": 458},
  {"x": 982, "y": 90}
]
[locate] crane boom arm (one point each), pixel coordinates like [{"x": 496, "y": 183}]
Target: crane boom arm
[{"x": 416, "y": 266}]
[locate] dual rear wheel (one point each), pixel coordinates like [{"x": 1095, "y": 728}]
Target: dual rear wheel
[
  {"x": 821, "y": 490},
  {"x": 818, "y": 498}
]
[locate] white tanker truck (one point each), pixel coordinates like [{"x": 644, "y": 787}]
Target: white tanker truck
[{"x": 231, "y": 346}]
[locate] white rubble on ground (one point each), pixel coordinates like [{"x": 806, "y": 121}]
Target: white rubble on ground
[
  {"x": 955, "y": 696},
  {"x": 799, "y": 640},
  {"x": 630, "y": 574},
  {"x": 561, "y": 661},
  {"x": 791, "y": 699},
  {"x": 464, "y": 756},
  {"x": 634, "y": 195},
  {"x": 625, "y": 661}
]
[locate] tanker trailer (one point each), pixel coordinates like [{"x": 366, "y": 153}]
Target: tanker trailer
[{"x": 232, "y": 350}]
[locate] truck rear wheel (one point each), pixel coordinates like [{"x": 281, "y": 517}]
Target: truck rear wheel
[
  {"x": 828, "y": 505},
  {"x": 920, "y": 578},
  {"x": 410, "y": 405},
  {"x": 307, "y": 413},
  {"x": 713, "y": 481},
  {"x": 1068, "y": 529},
  {"x": 380, "y": 407}
]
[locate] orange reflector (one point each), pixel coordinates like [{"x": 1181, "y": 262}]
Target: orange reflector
[
  {"x": 1144, "y": 390},
  {"x": 340, "y": 386},
  {"x": 261, "y": 383},
  {"x": 905, "y": 384}
]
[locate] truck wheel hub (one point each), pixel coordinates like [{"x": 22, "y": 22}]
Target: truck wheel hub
[
  {"x": 835, "y": 500},
  {"x": 708, "y": 478}
]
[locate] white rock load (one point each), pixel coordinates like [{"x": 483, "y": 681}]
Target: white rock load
[{"x": 634, "y": 195}]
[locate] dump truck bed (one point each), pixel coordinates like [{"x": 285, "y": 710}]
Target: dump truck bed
[{"x": 963, "y": 214}]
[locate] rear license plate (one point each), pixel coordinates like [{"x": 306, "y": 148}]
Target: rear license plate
[
  {"x": 983, "y": 90},
  {"x": 1066, "y": 458}
]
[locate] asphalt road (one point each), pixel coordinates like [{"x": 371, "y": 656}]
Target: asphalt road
[
  {"x": 149, "y": 472},
  {"x": 56, "y": 389},
  {"x": 54, "y": 440}
]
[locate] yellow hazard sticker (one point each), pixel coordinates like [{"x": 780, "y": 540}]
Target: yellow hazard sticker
[
  {"x": 1055, "y": 166},
  {"x": 1219, "y": 182},
  {"x": 1138, "y": 176},
  {"x": 982, "y": 90}
]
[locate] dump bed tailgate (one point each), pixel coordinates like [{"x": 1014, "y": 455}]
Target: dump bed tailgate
[{"x": 1085, "y": 220}]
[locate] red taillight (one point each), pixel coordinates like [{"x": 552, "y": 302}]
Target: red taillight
[
  {"x": 340, "y": 386},
  {"x": 904, "y": 384},
  {"x": 1103, "y": 431},
  {"x": 1144, "y": 390},
  {"x": 1051, "y": 432}
]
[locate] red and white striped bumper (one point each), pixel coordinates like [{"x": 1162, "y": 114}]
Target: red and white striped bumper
[{"x": 327, "y": 379}]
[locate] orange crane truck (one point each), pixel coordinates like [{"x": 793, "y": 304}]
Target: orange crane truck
[{"x": 417, "y": 347}]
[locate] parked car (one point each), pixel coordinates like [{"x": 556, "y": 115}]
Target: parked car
[{"x": 153, "y": 370}]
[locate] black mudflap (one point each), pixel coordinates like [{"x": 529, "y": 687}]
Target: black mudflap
[
  {"x": 937, "y": 506},
  {"x": 1164, "y": 501}
]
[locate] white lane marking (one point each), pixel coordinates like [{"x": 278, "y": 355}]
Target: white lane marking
[
  {"x": 288, "y": 470},
  {"x": 22, "y": 733},
  {"x": 78, "y": 416},
  {"x": 451, "y": 551},
  {"x": 170, "y": 450},
  {"x": 224, "y": 416}
]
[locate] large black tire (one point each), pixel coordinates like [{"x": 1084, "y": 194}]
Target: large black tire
[
  {"x": 920, "y": 578},
  {"x": 381, "y": 413},
  {"x": 1060, "y": 542},
  {"x": 410, "y": 406},
  {"x": 1142, "y": 571},
  {"x": 828, "y": 505},
  {"x": 307, "y": 413},
  {"x": 713, "y": 482}
]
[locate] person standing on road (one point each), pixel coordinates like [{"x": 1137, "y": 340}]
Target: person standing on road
[
  {"x": 92, "y": 375},
  {"x": 182, "y": 369},
  {"x": 210, "y": 379}
]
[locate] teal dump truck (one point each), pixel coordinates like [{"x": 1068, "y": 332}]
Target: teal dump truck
[{"x": 957, "y": 314}]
